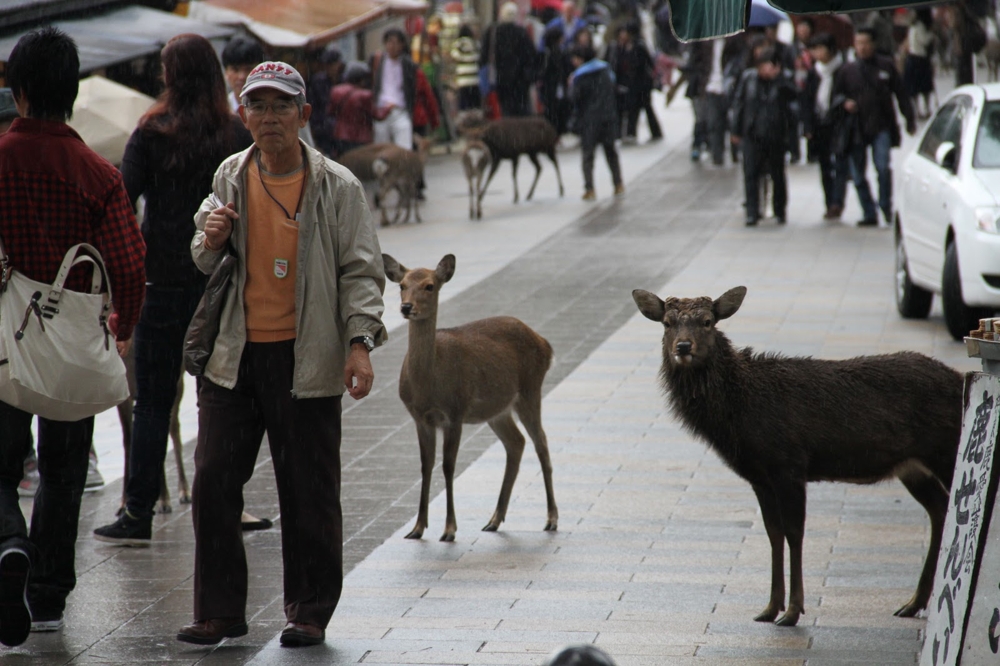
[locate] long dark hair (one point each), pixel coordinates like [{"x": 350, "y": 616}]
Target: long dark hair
[{"x": 192, "y": 111}]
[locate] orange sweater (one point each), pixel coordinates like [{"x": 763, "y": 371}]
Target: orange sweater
[{"x": 272, "y": 247}]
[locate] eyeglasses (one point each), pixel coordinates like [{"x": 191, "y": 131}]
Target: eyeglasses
[{"x": 281, "y": 107}]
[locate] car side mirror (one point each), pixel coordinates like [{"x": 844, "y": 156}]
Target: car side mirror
[{"x": 946, "y": 156}]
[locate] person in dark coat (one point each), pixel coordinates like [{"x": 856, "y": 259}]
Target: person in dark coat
[
  {"x": 633, "y": 68},
  {"x": 822, "y": 121},
  {"x": 514, "y": 58},
  {"x": 761, "y": 113},
  {"x": 595, "y": 115},
  {"x": 868, "y": 85},
  {"x": 552, "y": 84},
  {"x": 329, "y": 68}
]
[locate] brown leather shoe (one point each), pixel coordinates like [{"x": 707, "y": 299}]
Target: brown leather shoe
[
  {"x": 210, "y": 632},
  {"x": 298, "y": 634}
]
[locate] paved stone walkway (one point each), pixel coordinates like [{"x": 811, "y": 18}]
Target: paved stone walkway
[{"x": 661, "y": 557}]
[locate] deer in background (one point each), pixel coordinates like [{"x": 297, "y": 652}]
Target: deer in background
[
  {"x": 475, "y": 161},
  {"x": 483, "y": 371},
  {"x": 780, "y": 422}
]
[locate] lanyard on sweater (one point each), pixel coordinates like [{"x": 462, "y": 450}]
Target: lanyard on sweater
[{"x": 260, "y": 175}]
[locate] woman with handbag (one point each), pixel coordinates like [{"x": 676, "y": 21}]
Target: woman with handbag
[
  {"x": 170, "y": 159},
  {"x": 57, "y": 197}
]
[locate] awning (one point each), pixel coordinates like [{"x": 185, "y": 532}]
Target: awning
[
  {"x": 707, "y": 19},
  {"x": 303, "y": 23},
  {"x": 122, "y": 35}
]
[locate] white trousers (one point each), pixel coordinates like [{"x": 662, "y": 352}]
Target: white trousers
[{"x": 397, "y": 128}]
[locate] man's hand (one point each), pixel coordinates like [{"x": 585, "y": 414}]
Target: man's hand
[
  {"x": 358, "y": 374},
  {"x": 850, "y": 106},
  {"x": 219, "y": 226},
  {"x": 123, "y": 347},
  {"x": 735, "y": 140}
]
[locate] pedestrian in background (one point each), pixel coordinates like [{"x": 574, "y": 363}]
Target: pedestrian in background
[
  {"x": 55, "y": 192},
  {"x": 465, "y": 56},
  {"x": 329, "y": 71},
  {"x": 762, "y": 111},
  {"x": 633, "y": 69},
  {"x": 514, "y": 58},
  {"x": 170, "y": 159},
  {"x": 351, "y": 106},
  {"x": 823, "y": 122},
  {"x": 554, "y": 79},
  {"x": 394, "y": 91},
  {"x": 239, "y": 57},
  {"x": 595, "y": 116},
  {"x": 303, "y": 312},
  {"x": 868, "y": 85},
  {"x": 918, "y": 71},
  {"x": 569, "y": 22}
]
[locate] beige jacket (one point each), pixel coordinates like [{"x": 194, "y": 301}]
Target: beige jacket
[{"x": 339, "y": 280}]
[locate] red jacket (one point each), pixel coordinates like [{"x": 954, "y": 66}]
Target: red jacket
[
  {"x": 56, "y": 192},
  {"x": 351, "y": 109},
  {"x": 425, "y": 106}
]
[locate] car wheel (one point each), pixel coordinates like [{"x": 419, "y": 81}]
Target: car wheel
[
  {"x": 913, "y": 302},
  {"x": 958, "y": 317}
]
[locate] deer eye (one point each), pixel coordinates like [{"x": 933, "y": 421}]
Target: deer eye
[
  {"x": 429, "y": 287},
  {"x": 708, "y": 323}
]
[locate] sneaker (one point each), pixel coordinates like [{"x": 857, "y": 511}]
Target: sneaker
[
  {"x": 695, "y": 155},
  {"x": 589, "y": 195},
  {"x": 619, "y": 190},
  {"x": 868, "y": 222},
  {"x": 126, "y": 531},
  {"x": 29, "y": 483},
  {"x": 94, "y": 479},
  {"x": 15, "y": 620},
  {"x": 43, "y": 625}
]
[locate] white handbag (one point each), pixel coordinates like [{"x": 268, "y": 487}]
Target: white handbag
[{"x": 58, "y": 357}]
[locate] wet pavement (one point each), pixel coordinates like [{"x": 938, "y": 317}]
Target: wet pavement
[{"x": 661, "y": 555}]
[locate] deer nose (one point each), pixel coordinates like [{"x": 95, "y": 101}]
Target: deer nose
[
  {"x": 683, "y": 348},
  {"x": 406, "y": 308}
]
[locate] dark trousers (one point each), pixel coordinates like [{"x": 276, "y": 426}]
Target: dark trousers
[
  {"x": 304, "y": 436},
  {"x": 63, "y": 451},
  {"x": 588, "y": 145},
  {"x": 881, "y": 146},
  {"x": 513, "y": 102},
  {"x": 159, "y": 347},
  {"x": 760, "y": 158},
  {"x": 716, "y": 108},
  {"x": 833, "y": 169},
  {"x": 634, "y": 106}
]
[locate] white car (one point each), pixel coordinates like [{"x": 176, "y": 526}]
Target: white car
[{"x": 947, "y": 222}]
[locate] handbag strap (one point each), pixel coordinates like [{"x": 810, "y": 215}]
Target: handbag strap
[{"x": 72, "y": 258}]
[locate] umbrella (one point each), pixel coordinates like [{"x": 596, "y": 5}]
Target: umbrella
[
  {"x": 838, "y": 25},
  {"x": 708, "y": 19},
  {"x": 763, "y": 14},
  {"x": 105, "y": 114},
  {"x": 541, "y": 5}
]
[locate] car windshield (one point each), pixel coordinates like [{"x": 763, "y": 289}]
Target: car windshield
[{"x": 987, "y": 154}]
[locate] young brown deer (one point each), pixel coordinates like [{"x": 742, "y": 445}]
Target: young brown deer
[
  {"x": 780, "y": 422},
  {"x": 478, "y": 372}
]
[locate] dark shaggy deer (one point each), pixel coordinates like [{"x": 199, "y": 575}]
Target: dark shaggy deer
[
  {"x": 781, "y": 422},
  {"x": 484, "y": 371}
]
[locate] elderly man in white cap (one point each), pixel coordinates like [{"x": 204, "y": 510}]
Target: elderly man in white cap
[{"x": 302, "y": 313}]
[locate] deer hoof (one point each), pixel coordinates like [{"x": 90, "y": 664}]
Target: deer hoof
[
  {"x": 166, "y": 508},
  {"x": 448, "y": 537},
  {"x": 551, "y": 526},
  {"x": 185, "y": 499},
  {"x": 491, "y": 527},
  {"x": 910, "y": 609},
  {"x": 416, "y": 533},
  {"x": 769, "y": 614},
  {"x": 789, "y": 619}
]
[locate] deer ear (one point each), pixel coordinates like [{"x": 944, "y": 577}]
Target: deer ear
[
  {"x": 445, "y": 268},
  {"x": 725, "y": 306},
  {"x": 650, "y": 305},
  {"x": 393, "y": 269}
]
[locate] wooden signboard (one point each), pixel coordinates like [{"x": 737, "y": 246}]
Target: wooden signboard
[{"x": 963, "y": 624}]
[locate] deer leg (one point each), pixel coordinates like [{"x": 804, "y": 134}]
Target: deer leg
[
  {"x": 183, "y": 490},
  {"x": 775, "y": 534},
  {"x": 513, "y": 161},
  {"x": 480, "y": 191},
  {"x": 449, "y": 454},
  {"x": 415, "y": 202},
  {"x": 164, "y": 492},
  {"x": 791, "y": 499},
  {"x": 425, "y": 437},
  {"x": 555, "y": 163},
  {"x": 933, "y": 496},
  {"x": 472, "y": 199},
  {"x": 529, "y": 410},
  {"x": 513, "y": 442},
  {"x": 538, "y": 172}
]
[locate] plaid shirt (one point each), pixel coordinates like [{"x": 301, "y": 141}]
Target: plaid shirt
[{"x": 56, "y": 192}]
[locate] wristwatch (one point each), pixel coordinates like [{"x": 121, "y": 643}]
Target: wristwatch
[{"x": 367, "y": 340}]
